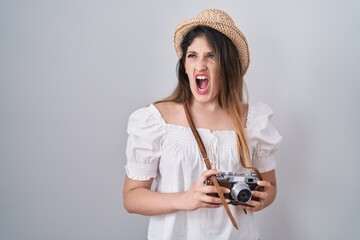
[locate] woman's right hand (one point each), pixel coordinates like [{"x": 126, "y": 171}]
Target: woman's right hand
[
  {"x": 140, "y": 199},
  {"x": 197, "y": 196}
]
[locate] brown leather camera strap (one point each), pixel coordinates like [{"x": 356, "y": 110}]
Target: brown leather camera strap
[{"x": 208, "y": 164}]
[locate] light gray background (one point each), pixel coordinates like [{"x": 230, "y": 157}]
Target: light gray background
[{"x": 72, "y": 71}]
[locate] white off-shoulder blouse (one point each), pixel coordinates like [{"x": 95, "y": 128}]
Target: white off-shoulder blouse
[{"x": 169, "y": 154}]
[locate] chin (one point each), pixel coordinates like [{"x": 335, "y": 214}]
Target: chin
[{"x": 204, "y": 99}]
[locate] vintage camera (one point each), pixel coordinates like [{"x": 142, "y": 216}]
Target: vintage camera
[{"x": 240, "y": 185}]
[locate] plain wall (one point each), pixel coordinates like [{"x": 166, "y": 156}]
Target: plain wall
[{"x": 71, "y": 72}]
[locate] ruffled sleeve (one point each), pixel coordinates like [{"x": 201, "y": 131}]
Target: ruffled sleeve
[
  {"x": 263, "y": 138},
  {"x": 146, "y": 129}
]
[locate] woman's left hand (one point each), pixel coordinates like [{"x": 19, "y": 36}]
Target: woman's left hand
[{"x": 260, "y": 200}]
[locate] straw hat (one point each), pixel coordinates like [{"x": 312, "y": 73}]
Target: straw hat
[{"x": 220, "y": 21}]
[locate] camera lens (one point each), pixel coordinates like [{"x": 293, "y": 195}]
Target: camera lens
[
  {"x": 241, "y": 192},
  {"x": 244, "y": 196}
]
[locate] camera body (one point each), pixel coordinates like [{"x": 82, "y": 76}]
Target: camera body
[{"x": 240, "y": 185}]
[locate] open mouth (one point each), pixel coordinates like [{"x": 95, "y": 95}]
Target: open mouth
[{"x": 202, "y": 83}]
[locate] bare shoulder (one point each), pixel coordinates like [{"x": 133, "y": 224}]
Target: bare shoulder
[
  {"x": 171, "y": 112},
  {"x": 167, "y": 107},
  {"x": 244, "y": 108}
]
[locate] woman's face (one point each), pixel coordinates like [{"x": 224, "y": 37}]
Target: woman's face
[{"x": 202, "y": 69}]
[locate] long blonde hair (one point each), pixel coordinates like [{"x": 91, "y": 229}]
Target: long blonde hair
[{"x": 232, "y": 87}]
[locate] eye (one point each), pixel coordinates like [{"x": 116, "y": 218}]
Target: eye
[
  {"x": 211, "y": 56},
  {"x": 191, "y": 55}
]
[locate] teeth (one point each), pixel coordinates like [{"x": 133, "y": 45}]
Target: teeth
[{"x": 201, "y": 77}]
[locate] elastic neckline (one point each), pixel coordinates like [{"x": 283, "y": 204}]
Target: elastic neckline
[{"x": 159, "y": 117}]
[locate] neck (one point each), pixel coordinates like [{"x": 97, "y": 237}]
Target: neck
[
  {"x": 209, "y": 107},
  {"x": 211, "y": 116}
]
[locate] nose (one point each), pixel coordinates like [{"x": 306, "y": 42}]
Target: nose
[{"x": 201, "y": 65}]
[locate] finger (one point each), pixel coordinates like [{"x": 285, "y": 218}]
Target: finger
[
  {"x": 264, "y": 184},
  {"x": 247, "y": 207},
  {"x": 212, "y": 189},
  {"x": 225, "y": 190},
  {"x": 252, "y": 206},
  {"x": 210, "y": 172},
  {"x": 261, "y": 195},
  {"x": 213, "y": 200},
  {"x": 205, "y": 175},
  {"x": 258, "y": 205}
]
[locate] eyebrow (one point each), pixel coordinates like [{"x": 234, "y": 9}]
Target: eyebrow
[{"x": 211, "y": 52}]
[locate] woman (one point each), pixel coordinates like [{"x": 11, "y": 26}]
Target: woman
[{"x": 213, "y": 58}]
